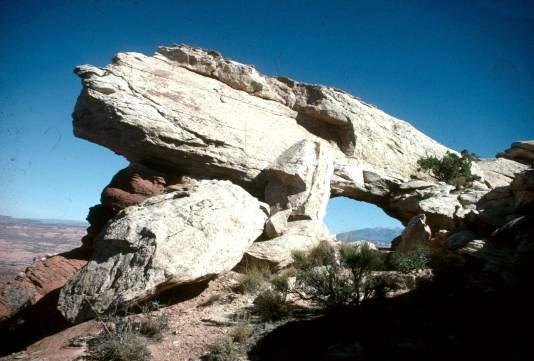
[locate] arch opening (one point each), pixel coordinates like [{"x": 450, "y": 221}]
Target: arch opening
[{"x": 352, "y": 220}]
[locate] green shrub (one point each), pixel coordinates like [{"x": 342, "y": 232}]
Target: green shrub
[
  {"x": 117, "y": 345},
  {"x": 234, "y": 347},
  {"x": 241, "y": 333},
  {"x": 452, "y": 168},
  {"x": 253, "y": 280},
  {"x": 152, "y": 326},
  {"x": 271, "y": 305},
  {"x": 280, "y": 283},
  {"x": 410, "y": 261},
  {"x": 226, "y": 350},
  {"x": 338, "y": 280},
  {"x": 126, "y": 338}
]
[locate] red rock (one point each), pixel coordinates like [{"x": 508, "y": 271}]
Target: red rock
[
  {"x": 131, "y": 186},
  {"x": 38, "y": 280}
]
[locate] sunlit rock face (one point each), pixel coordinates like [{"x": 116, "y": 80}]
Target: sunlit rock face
[
  {"x": 168, "y": 240},
  {"x": 194, "y": 110},
  {"x": 286, "y": 146}
]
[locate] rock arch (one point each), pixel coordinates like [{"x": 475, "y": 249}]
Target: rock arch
[{"x": 191, "y": 111}]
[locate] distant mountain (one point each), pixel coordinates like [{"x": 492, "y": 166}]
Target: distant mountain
[{"x": 381, "y": 236}]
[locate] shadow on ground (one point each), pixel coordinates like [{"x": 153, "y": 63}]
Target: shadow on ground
[
  {"x": 43, "y": 319},
  {"x": 459, "y": 316}
]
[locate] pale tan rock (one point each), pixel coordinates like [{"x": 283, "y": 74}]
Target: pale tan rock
[
  {"x": 360, "y": 243},
  {"x": 300, "y": 180},
  {"x": 416, "y": 234},
  {"x": 194, "y": 110},
  {"x": 499, "y": 172},
  {"x": 276, "y": 225},
  {"x": 167, "y": 240},
  {"x": 416, "y": 184},
  {"x": 277, "y": 252}
]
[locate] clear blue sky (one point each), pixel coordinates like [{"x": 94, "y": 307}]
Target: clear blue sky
[{"x": 460, "y": 71}]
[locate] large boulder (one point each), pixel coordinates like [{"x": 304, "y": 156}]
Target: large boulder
[
  {"x": 439, "y": 202},
  {"x": 299, "y": 180},
  {"x": 171, "y": 239},
  {"x": 460, "y": 239},
  {"x": 131, "y": 186},
  {"x": 276, "y": 225},
  {"x": 520, "y": 151},
  {"x": 277, "y": 252},
  {"x": 499, "y": 172},
  {"x": 416, "y": 234}
]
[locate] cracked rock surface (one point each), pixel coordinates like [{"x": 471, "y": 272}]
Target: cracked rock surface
[
  {"x": 168, "y": 240},
  {"x": 212, "y": 117}
]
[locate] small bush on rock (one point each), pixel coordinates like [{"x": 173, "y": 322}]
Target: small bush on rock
[
  {"x": 241, "y": 333},
  {"x": 280, "y": 283},
  {"x": 152, "y": 326},
  {"x": 226, "y": 350},
  {"x": 452, "y": 168}
]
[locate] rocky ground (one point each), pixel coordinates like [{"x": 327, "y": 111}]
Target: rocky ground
[
  {"x": 455, "y": 315},
  {"x": 193, "y": 326}
]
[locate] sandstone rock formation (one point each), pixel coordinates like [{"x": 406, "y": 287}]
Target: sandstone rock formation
[
  {"x": 277, "y": 252},
  {"x": 499, "y": 172},
  {"x": 187, "y": 113},
  {"x": 521, "y": 151},
  {"x": 460, "y": 239},
  {"x": 276, "y": 225},
  {"x": 191, "y": 110},
  {"x": 38, "y": 280},
  {"x": 416, "y": 234},
  {"x": 130, "y": 186},
  {"x": 168, "y": 240},
  {"x": 299, "y": 180},
  {"x": 506, "y": 212}
]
